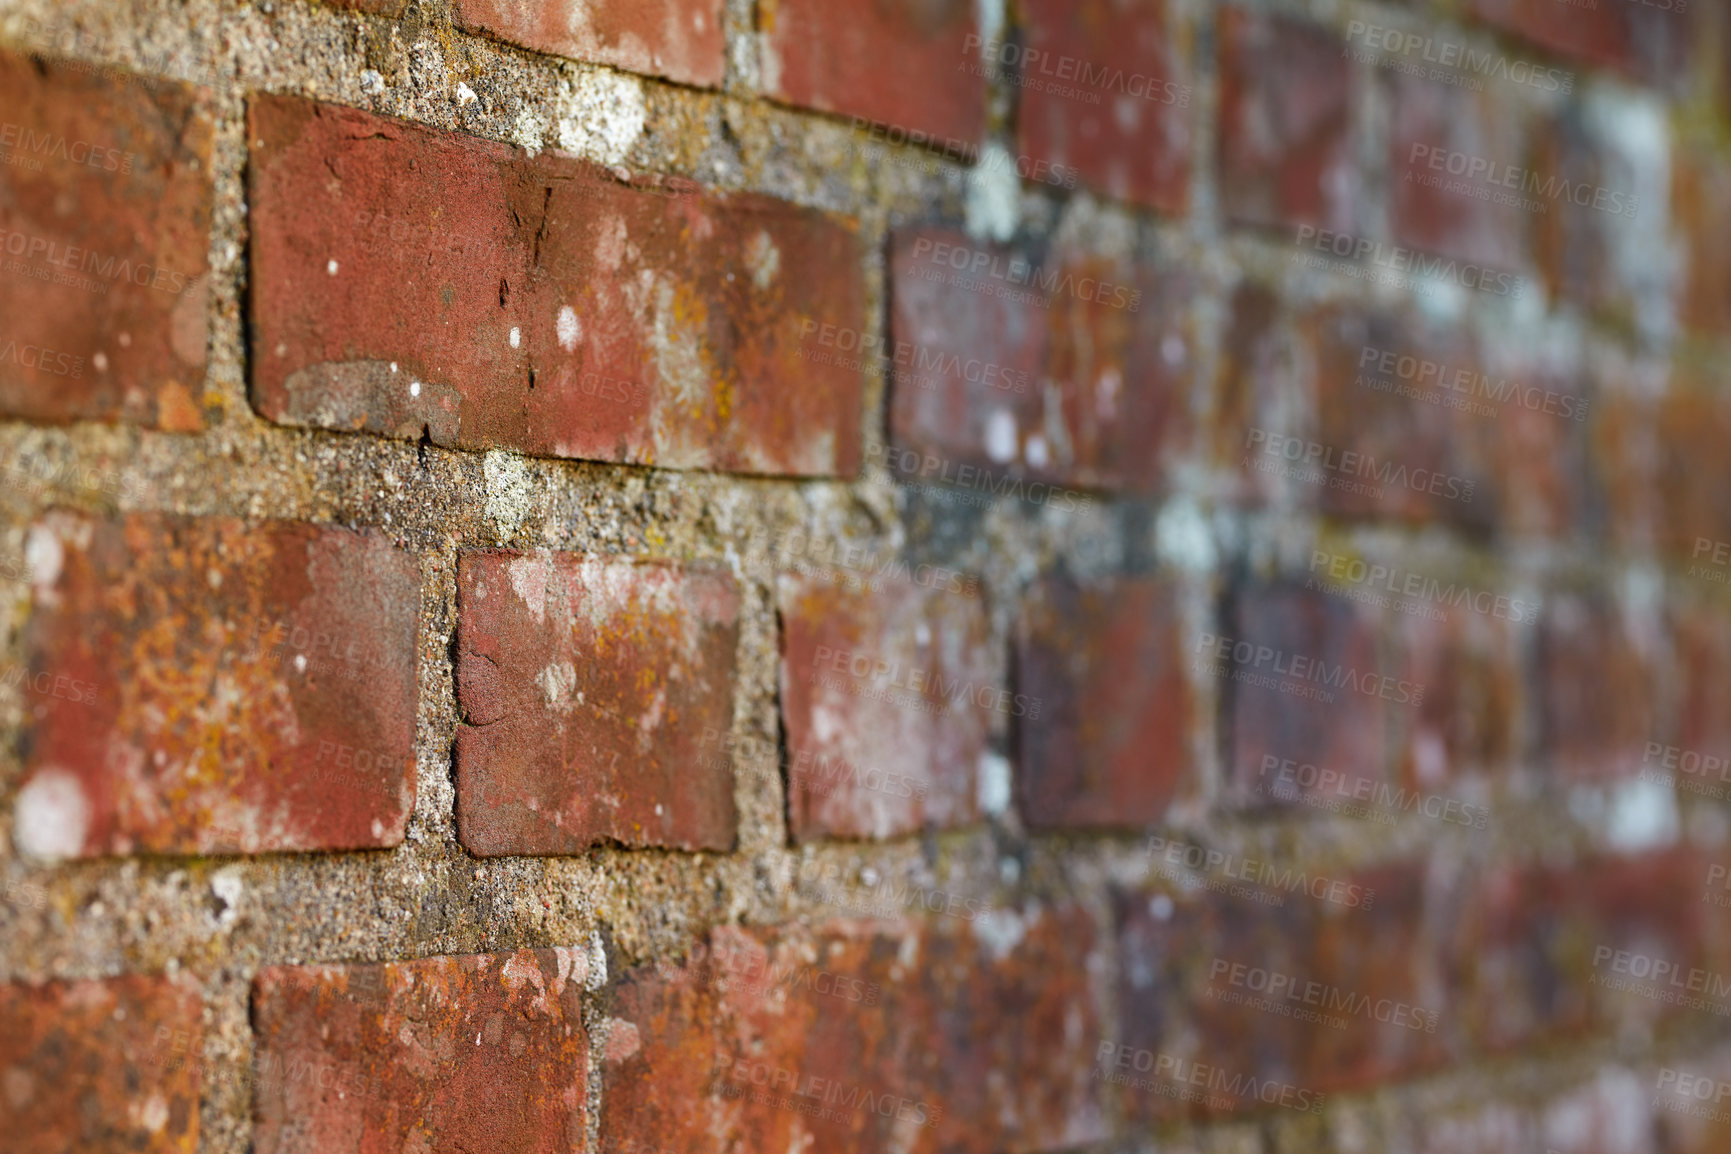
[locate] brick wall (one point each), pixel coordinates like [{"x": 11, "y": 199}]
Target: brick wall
[{"x": 710, "y": 576}]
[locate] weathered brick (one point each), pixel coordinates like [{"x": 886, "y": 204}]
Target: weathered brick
[
  {"x": 1365, "y": 971},
  {"x": 1646, "y": 41},
  {"x": 1688, "y": 1103},
  {"x": 1701, "y": 207},
  {"x": 411, "y": 282},
  {"x": 486, "y": 1051},
  {"x": 100, "y": 1065},
  {"x": 679, "y": 39},
  {"x": 1253, "y": 381},
  {"x": 105, "y": 209},
  {"x": 1285, "y": 138},
  {"x": 1111, "y": 745},
  {"x": 1450, "y": 149},
  {"x": 1701, "y": 643},
  {"x": 1383, "y": 452},
  {"x": 1597, "y": 668},
  {"x": 1463, "y": 650},
  {"x": 1088, "y": 362},
  {"x": 919, "y": 66},
  {"x": 1306, "y": 692},
  {"x": 586, "y": 684},
  {"x": 960, "y": 1039},
  {"x": 1108, "y": 97},
  {"x": 886, "y": 700},
  {"x": 229, "y": 687}
]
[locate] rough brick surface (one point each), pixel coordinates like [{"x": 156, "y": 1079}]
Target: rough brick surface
[
  {"x": 483, "y": 1052},
  {"x": 886, "y": 700},
  {"x": 914, "y": 64},
  {"x": 1050, "y": 368},
  {"x": 1227, "y": 981},
  {"x": 1305, "y": 681},
  {"x": 1285, "y": 141},
  {"x": 105, "y": 208},
  {"x": 100, "y": 1065},
  {"x": 587, "y": 684},
  {"x": 1108, "y": 97},
  {"x": 976, "y": 1037},
  {"x": 678, "y": 39},
  {"x": 1107, "y": 665},
  {"x": 1452, "y": 150},
  {"x": 229, "y": 687},
  {"x": 1701, "y": 205},
  {"x": 1597, "y": 668},
  {"x": 411, "y": 282},
  {"x": 1647, "y": 41}
]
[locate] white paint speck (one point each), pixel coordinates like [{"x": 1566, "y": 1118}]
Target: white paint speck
[
  {"x": 1038, "y": 457},
  {"x": 414, "y": 388},
  {"x": 300, "y": 663},
  {"x": 994, "y": 201},
  {"x": 568, "y": 328},
  {"x": 465, "y": 94},
  {"x": 516, "y": 337},
  {"x": 393, "y": 366},
  {"x": 993, "y": 788},
  {"x": 53, "y": 815},
  {"x": 1001, "y": 436},
  {"x": 331, "y": 267},
  {"x": 100, "y": 360}
]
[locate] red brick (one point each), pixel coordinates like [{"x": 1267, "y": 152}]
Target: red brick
[
  {"x": 679, "y": 39},
  {"x": 586, "y": 684},
  {"x": 1436, "y": 131},
  {"x": 1329, "y": 703},
  {"x": 979, "y": 1038},
  {"x": 918, "y": 66},
  {"x": 1701, "y": 208},
  {"x": 230, "y": 687},
  {"x": 1084, "y": 392},
  {"x": 100, "y": 1065},
  {"x": 1255, "y": 377},
  {"x": 1596, "y": 674},
  {"x": 895, "y": 686},
  {"x": 1109, "y": 98},
  {"x": 1286, "y": 150},
  {"x": 1585, "y": 250},
  {"x": 658, "y": 324},
  {"x": 1690, "y": 472},
  {"x": 1701, "y": 643},
  {"x": 1111, "y": 744},
  {"x": 1178, "y": 979},
  {"x": 1420, "y": 460},
  {"x": 105, "y": 207},
  {"x": 1648, "y": 42},
  {"x": 1467, "y": 659},
  {"x": 483, "y": 1052}
]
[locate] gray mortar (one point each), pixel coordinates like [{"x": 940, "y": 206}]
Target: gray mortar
[{"x": 221, "y": 920}]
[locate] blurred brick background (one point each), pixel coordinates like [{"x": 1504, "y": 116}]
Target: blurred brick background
[{"x": 751, "y": 575}]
